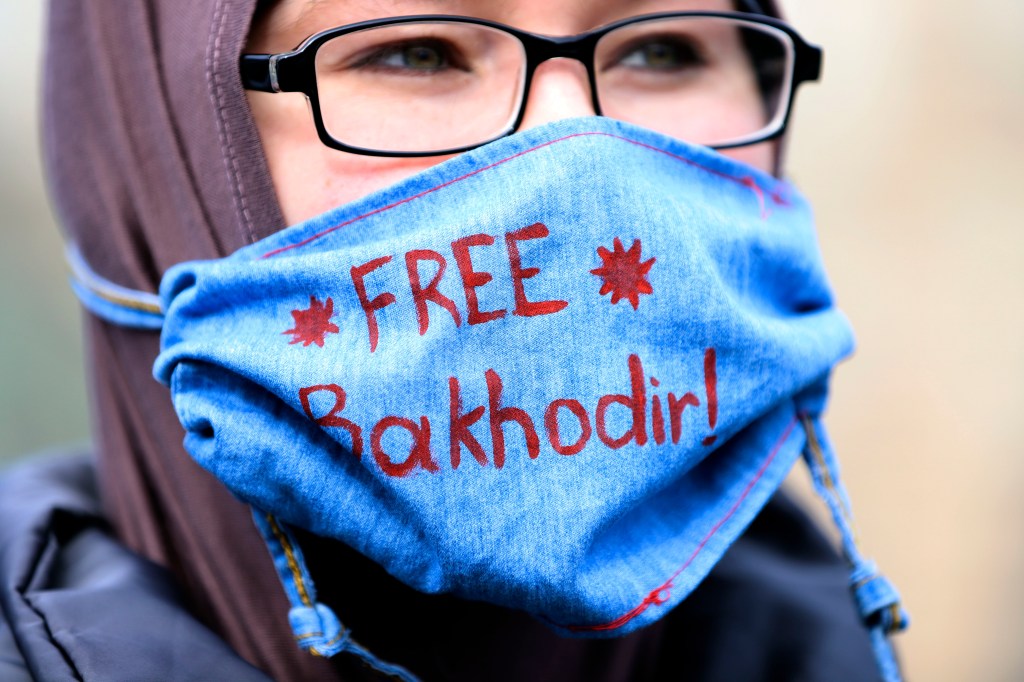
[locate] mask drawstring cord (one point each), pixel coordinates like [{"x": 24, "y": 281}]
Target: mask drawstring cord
[
  {"x": 110, "y": 301},
  {"x": 877, "y": 600},
  {"x": 315, "y": 626}
]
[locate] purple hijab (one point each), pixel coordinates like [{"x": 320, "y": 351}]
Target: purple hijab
[{"x": 153, "y": 159}]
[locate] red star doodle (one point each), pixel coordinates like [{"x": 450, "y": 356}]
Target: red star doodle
[
  {"x": 313, "y": 324},
  {"x": 623, "y": 273}
]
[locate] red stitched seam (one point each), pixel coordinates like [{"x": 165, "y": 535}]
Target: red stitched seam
[
  {"x": 746, "y": 181},
  {"x": 655, "y": 598}
]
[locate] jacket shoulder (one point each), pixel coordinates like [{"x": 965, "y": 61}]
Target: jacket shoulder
[{"x": 76, "y": 604}]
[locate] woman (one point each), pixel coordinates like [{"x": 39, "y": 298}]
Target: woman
[{"x": 159, "y": 157}]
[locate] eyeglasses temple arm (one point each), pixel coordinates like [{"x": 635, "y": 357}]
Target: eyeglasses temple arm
[
  {"x": 258, "y": 73},
  {"x": 809, "y": 63},
  {"x": 284, "y": 72}
]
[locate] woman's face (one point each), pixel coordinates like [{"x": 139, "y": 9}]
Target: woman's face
[{"x": 311, "y": 178}]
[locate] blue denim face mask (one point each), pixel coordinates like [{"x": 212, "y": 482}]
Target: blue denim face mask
[{"x": 560, "y": 373}]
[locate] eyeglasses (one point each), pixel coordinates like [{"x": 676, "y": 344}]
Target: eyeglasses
[{"x": 438, "y": 84}]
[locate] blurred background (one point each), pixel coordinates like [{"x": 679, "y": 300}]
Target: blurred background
[{"x": 912, "y": 151}]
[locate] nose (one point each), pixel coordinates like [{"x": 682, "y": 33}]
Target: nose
[{"x": 560, "y": 89}]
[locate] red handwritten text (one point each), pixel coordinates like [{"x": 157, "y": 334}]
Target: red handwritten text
[
  {"x": 496, "y": 416},
  {"x": 472, "y": 280}
]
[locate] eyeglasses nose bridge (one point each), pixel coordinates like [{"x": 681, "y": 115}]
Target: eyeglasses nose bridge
[{"x": 540, "y": 49}]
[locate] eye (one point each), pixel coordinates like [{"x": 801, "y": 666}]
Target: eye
[
  {"x": 426, "y": 57},
  {"x": 661, "y": 54},
  {"x": 423, "y": 56}
]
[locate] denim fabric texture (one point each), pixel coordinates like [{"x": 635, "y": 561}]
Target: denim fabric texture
[{"x": 560, "y": 373}]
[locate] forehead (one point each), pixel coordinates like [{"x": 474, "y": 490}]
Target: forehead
[
  {"x": 293, "y": 20},
  {"x": 523, "y": 9}
]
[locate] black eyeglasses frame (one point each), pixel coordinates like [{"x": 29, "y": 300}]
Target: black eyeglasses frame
[{"x": 295, "y": 71}]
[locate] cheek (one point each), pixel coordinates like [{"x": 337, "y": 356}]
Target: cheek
[
  {"x": 316, "y": 179},
  {"x": 309, "y": 177},
  {"x": 760, "y": 156}
]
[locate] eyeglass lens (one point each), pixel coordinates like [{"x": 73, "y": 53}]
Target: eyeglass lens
[{"x": 432, "y": 86}]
